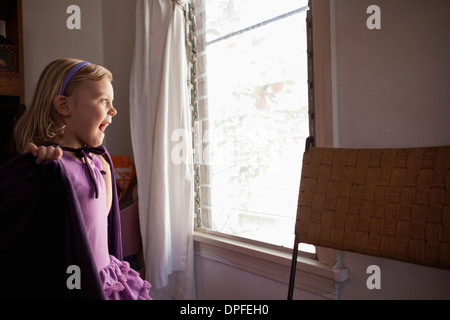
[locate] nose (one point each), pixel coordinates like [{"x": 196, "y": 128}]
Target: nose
[{"x": 112, "y": 111}]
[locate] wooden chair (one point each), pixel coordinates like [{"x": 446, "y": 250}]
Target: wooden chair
[{"x": 391, "y": 203}]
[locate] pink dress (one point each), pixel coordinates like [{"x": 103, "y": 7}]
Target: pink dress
[{"x": 119, "y": 281}]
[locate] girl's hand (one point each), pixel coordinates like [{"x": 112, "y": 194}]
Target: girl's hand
[{"x": 43, "y": 153}]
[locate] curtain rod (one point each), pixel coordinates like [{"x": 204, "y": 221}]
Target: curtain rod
[{"x": 263, "y": 23}]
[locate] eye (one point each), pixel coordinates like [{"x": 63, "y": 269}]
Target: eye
[{"x": 104, "y": 101}]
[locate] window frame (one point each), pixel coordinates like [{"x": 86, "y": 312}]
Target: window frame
[{"x": 323, "y": 272}]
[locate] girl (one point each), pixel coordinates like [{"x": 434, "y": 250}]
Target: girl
[{"x": 71, "y": 110}]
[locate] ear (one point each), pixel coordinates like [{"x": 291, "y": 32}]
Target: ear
[{"x": 61, "y": 104}]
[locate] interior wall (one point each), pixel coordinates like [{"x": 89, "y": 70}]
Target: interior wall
[
  {"x": 47, "y": 38},
  {"x": 119, "y": 25},
  {"x": 392, "y": 84},
  {"x": 221, "y": 281}
]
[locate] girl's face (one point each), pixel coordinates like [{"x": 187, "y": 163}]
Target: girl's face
[{"x": 91, "y": 111}]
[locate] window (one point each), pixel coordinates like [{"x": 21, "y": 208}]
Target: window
[{"x": 252, "y": 119}]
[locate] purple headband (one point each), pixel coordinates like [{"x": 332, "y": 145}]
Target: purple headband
[{"x": 71, "y": 74}]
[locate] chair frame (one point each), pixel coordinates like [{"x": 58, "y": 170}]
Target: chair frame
[
  {"x": 392, "y": 203},
  {"x": 309, "y": 143}
]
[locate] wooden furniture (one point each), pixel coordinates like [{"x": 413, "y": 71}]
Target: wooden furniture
[
  {"x": 391, "y": 203},
  {"x": 12, "y": 86}
]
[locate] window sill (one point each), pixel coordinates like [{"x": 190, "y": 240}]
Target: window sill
[{"x": 311, "y": 275}]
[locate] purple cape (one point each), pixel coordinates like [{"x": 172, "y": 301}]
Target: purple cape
[{"x": 42, "y": 233}]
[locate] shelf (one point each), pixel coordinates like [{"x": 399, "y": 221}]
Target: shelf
[{"x": 10, "y": 84}]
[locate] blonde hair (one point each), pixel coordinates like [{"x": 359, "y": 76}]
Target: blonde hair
[{"x": 41, "y": 122}]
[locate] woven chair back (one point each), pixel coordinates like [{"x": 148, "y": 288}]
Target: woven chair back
[{"x": 391, "y": 203}]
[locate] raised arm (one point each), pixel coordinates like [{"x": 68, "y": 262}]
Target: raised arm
[{"x": 43, "y": 153}]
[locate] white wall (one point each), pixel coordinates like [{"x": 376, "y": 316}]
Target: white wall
[
  {"x": 393, "y": 84},
  {"x": 221, "y": 281},
  {"x": 118, "y": 49},
  {"x": 47, "y": 38}
]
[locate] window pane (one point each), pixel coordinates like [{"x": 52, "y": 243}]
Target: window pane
[{"x": 257, "y": 119}]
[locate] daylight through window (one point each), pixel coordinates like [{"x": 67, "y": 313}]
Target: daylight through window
[{"x": 252, "y": 116}]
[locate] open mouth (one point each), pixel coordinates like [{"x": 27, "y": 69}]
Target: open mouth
[{"x": 103, "y": 127}]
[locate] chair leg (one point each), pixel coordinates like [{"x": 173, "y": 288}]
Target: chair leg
[
  {"x": 309, "y": 142},
  {"x": 293, "y": 269}
]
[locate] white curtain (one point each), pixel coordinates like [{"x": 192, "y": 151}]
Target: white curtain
[{"x": 161, "y": 133}]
